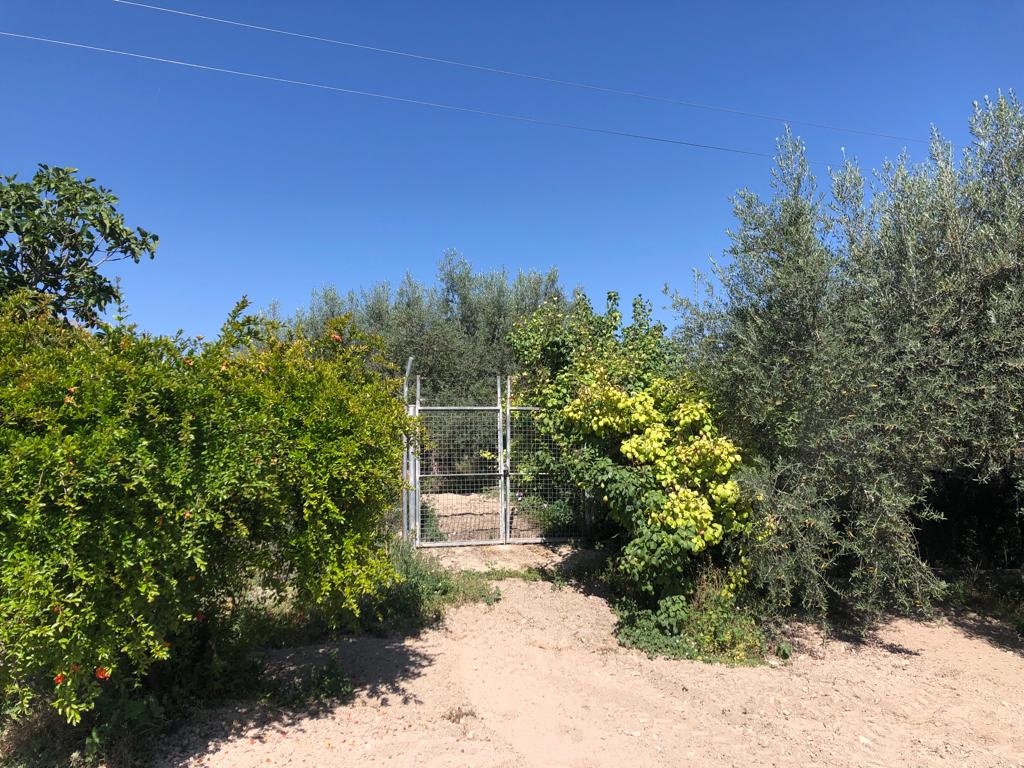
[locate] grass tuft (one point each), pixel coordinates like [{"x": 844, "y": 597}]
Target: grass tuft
[{"x": 424, "y": 589}]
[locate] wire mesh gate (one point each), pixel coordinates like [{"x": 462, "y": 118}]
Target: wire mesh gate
[{"x": 482, "y": 475}]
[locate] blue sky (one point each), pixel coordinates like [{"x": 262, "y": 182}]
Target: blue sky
[{"x": 270, "y": 190}]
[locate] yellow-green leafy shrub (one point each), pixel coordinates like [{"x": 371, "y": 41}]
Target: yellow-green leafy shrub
[{"x": 641, "y": 446}]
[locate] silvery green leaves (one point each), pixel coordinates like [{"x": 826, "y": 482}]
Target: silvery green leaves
[{"x": 866, "y": 345}]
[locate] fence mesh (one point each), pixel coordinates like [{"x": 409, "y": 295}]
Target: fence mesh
[
  {"x": 460, "y": 509},
  {"x": 485, "y": 474},
  {"x": 539, "y": 506},
  {"x": 460, "y": 442},
  {"x": 460, "y": 476}
]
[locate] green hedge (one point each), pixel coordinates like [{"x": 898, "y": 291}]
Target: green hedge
[{"x": 149, "y": 482}]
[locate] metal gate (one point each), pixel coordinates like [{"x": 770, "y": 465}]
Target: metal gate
[{"x": 482, "y": 474}]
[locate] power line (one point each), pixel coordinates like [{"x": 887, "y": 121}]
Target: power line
[
  {"x": 399, "y": 99},
  {"x": 525, "y": 75}
]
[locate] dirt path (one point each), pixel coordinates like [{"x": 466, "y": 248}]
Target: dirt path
[{"x": 538, "y": 680}]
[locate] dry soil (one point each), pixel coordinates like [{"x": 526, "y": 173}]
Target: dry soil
[{"x": 538, "y": 680}]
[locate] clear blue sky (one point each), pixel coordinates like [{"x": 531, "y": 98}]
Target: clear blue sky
[{"x": 271, "y": 190}]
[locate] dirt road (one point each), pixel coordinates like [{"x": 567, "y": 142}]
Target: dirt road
[{"x": 538, "y": 680}]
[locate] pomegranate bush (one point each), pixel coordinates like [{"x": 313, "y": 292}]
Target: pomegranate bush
[{"x": 146, "y": 482}]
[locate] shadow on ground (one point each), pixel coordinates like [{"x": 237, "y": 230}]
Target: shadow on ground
[
  {"x": 859, "y": 635},
  {"x": 379, "y": 668},
  {"x": 988, "y": 605},
  {"x": 994, "y": 631}
]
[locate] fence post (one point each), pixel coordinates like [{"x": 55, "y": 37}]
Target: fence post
[
  {"x": 415, "y": 462},
  {"x": 406, "y": 448},
  {"x": 502, "y": 477},
  {"x": 507, "y": 468}
]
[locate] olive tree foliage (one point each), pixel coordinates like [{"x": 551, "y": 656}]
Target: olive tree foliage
[
  {"x": 866, "y": 344},
  {"x": 56, "y": 232},
  {"x": 456, "y": 329}
]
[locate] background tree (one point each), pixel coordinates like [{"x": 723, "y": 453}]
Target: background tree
[
  {"x": 456, "y": 329},
  {"x": 56, "y": 232}
]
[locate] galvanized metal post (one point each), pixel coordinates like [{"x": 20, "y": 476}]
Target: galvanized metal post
[
  {"x": 502, "y": 495},
  {"x": 406, "y": 462},
  {"x": 507, "y": 469},
  {"x": 415, "y": 457}
]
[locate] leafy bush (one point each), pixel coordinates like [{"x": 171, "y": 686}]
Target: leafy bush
[
  {"x": 707, "y": 625},
  {"x": 867, "y": 348},
  {"x": 551, "y": 516},
  {"x": 147, "y": 483},
  {"x": 641, "y": 445}
]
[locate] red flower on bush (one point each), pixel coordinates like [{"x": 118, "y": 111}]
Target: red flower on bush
[
  {"x": 200, "y": 616},
  {"x": 58, "y": 679},
  {"x": 335, "y": 337},
  {"x": 102, "y": 673}
]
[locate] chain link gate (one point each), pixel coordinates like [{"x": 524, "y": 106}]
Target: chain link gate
[{"x": 482, "y": 475}]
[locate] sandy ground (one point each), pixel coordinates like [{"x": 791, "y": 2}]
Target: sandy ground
[
  {"x": 538, "y": 680},
  {"x": 474, "y": 517},
  {"x": 511, "y": 556},
  {"x": 464, "y": 516}
]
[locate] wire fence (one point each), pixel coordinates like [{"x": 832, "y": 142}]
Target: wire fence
[
  {"x": 484, "y": 474},
  {"x": 459, "y": 481},
  {"x": 539, "y": 506}
]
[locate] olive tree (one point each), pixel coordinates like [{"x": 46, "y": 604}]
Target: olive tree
[{"x": 866, "y": 346}]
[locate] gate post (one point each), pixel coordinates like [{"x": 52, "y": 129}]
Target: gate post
[
  {"x": 506, "y": 468},
  {"x": 406, "y": 459},
  {"x": 415, "y": 462},
  {"x": 503, "y": 517}
]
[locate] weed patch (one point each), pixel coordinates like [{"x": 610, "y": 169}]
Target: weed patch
[
  {"x": 707, "y": 625},
  {"x": 423, "y": 590}
]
